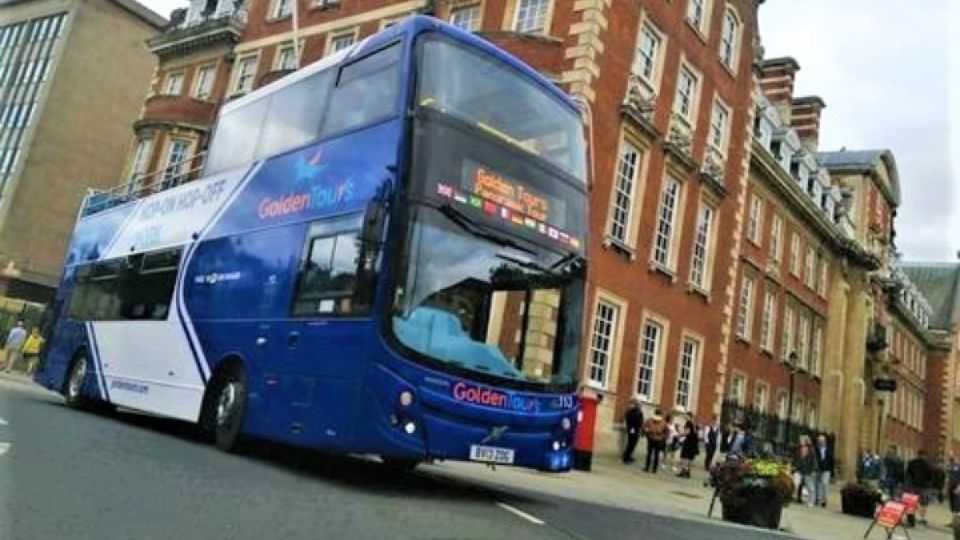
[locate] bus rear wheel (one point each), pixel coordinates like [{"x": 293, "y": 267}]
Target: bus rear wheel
[
  {"x": 229, "y": 409},
  {"x": 76, "y": 378}
]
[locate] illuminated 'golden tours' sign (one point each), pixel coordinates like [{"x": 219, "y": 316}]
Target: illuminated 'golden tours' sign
[{"x": 505, "y": 192}]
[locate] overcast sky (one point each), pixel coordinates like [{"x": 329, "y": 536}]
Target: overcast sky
[{"x": 890, "y": 77}]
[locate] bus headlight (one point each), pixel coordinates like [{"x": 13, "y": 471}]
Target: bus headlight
[
  {"x": 410, "y": 428},
  {"x": 579, "y": 416},
  {"x": 556, "y": 446},
  {"x": 406, "y": 398},
  {"x": 565, "y": 424}
]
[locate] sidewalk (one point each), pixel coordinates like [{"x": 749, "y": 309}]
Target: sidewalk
[{"x": 627, "y": 486}]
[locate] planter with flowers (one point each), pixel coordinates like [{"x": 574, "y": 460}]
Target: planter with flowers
[
  {"x": 860, "y": 499},
  {"x": 753, "y": 492}
]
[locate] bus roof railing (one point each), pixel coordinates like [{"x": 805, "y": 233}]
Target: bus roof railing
[{"x": 143, "y": 185}]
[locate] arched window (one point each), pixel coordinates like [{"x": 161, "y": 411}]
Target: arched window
[{"x": 729, "y": 38}]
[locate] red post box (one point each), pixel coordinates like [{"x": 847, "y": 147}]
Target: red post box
[{"x": 586, "y": 429}]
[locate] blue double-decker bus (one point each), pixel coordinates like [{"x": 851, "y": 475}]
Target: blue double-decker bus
[{"x": 384, "y": 254}]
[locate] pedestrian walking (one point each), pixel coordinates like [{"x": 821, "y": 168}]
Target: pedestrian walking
[
  {"x": 805, "y": 464},
  {"x": 736, "y": 441},
  {"x": 893, "y": 477},
  {"x": 711, "y": 437},
  {"x": 920, "y": 480},
  {"x": 14, "y": 345},
  {"x": 953, "y": 493},
  {"x": 31, "y": 349},
  {"x": 656, "y": 430},
  {"x": 689, "y": 448},
  {"x": 825, "y": 468},
  {"x": 633, "y": 422}
]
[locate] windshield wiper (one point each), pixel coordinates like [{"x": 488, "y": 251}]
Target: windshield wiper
[
  {"x": 529, "y": 265},
  {"x": 468, "y": 224},
  {"x": 570, "y": 263}
]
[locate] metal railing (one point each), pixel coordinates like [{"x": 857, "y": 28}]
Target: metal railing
[
  {"x": 144, "y": 185},
  {"x": 768, "y": 428}
]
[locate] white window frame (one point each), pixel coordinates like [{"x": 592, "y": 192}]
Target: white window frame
[
  {"x": 738, "y": 388},
  {"x": 719, "y": 135},
  {"x": 824, "y": 277},
  {"x": 173, "y": 84},
  {"x": 282, "y": 51},
  {"x": 652, "y": 337},
  {"x": 788, "y": 341},
  {"x": 816, "y": 348},
  {"x": 281, "y": 8},
  {"x": 601, "y": 355},
  {"x": 730, "y": 31},
  {"x": 524, "y": 7},
  {"x": 646, "y": 63},
  {"x": 755, "y": 219},
  {"x": 203, "y": 86},
  {"x": 701, "y": 259},
  {"x": 761, "y": 404},
  {"x": 173, "y": 170},
  {"x": 687, "y": 95},
  {"x": 626, "y": 178},
  {"x": 334, "y": 44},
  {"x": 776, "y": 238},
  {"x": 767, "y": 318},
  {"x": 687, "y": 372},
  {"x": 671, "y": 193},
  {"x": 745, "y": 307},
  {"x": 803, "y": 340},
  {"x": 795, "y": 254},
  {"x": 245, "y": 74},
  {"x": 810, "y": 267},
  {"x": 783, "y": 405},
  {"x": 476, "y": 20},
  {"x": 141, "y": 160},
  {"x": 700, "y": 24}
]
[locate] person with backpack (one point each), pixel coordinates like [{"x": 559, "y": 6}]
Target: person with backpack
[{"x": 655, "y": 429}]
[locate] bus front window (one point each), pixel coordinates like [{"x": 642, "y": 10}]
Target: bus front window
[
  {"x": 493, "y": 97},
  {"x": 473, "y": 303}
]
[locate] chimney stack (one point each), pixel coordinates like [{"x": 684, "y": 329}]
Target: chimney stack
[
  {"x": 777, "y": 76},
  {"x": 805, "y": 118}
]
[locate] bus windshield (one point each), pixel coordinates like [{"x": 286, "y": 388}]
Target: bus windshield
[
  {"x": 486, "y": 304},
  {"x": 494, "y": 97}
]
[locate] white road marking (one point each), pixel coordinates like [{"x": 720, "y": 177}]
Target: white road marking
[
  {"x": 521, "y": 513},
  {"x": 3, "y": 422},
  {"x": 4, "y": 447}
]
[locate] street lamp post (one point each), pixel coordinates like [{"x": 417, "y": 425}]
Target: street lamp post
[{"x": 792, "y": 364}]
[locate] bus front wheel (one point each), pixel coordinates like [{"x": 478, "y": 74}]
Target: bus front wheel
[
  {"x": 229, "y": 408},
  {"x": 77, "y": 377}
]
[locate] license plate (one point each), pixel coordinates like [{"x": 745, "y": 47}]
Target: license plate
[{"x": 491, "y": 454}]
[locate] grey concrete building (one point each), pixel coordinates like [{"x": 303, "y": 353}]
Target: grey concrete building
[{"x": 73, "y": 74}]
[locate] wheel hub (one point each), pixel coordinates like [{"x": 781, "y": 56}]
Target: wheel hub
[
  {"x": 226, "y": 403},
  {"x": 76, "y": 381}
]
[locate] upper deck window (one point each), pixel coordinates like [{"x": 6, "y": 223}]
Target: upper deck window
[{"x": 490, "y": 95}]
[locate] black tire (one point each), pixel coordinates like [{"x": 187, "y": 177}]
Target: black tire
[
  {"x": 76, "y": 379},
  {"x": 229, "y": 408},
  {"x": 398, "y": 464}
]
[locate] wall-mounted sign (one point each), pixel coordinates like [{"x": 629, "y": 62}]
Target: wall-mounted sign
[{"x": 885, "y": 385}]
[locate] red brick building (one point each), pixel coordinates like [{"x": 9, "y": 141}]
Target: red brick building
[{"x": 669, "y": 91}]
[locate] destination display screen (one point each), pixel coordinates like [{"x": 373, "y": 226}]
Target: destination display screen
[{"x": 510, "y": 200}]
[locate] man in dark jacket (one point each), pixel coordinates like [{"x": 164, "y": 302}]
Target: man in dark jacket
[
  {"x": 711, "y": 437},
  {"x": 825, "y": 468},
  {"x": 633, "y": 423},
  {"x": 893, "y": 472},
  {"x": 920, "y": 480}
]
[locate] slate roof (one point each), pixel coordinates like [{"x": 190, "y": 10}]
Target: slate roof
[
  {"x": 863, "y": 160},
  {"x": 940, "y": 285}
]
